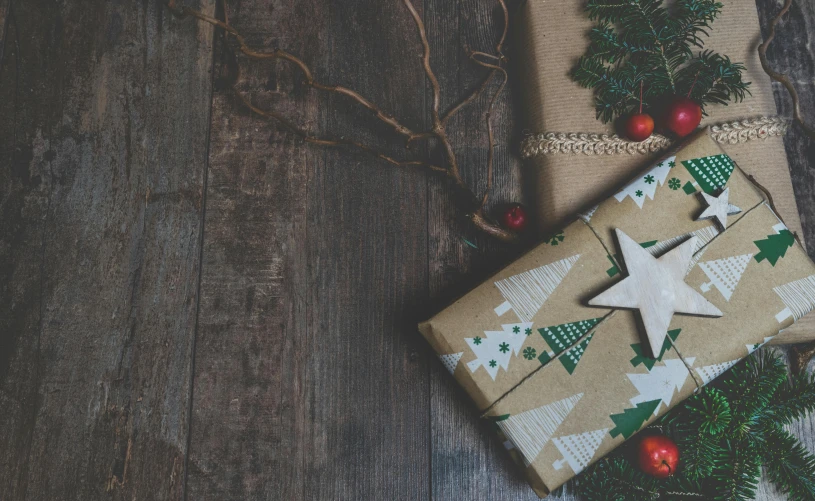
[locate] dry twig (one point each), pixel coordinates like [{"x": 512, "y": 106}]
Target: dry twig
[
  {"x": 475, "y": 205},
  {"x": 780, "y": 77}
]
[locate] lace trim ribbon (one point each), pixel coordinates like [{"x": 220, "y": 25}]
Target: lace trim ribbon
[{"x": 740, "y": 131}]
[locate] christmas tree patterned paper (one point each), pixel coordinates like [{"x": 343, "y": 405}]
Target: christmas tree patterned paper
[
  {"x": 531, "y": 430},
  {"x": 560, "y": 337},
  {"x": 711, "y": 372},
  {"x": 725, "y": 274},
  {"x": 648, "y": 362},
  {"x": 526, "y": 292},
  {"x": 710, "y": 173},
  {"x": 661, "y": 382},
  {"x": 798, "y": 297},
  {"x": 572, "y": 357},
  {"x": 753, "y": 347},
  {"x": 578, "y": 450},
  {"x": 451, "y": 361},
  {"x": 646, "y": 186},
  {"x": 631, "y": 420},
  {"x": 496, "y": 348},
  {"x": 774, "y": 247}
]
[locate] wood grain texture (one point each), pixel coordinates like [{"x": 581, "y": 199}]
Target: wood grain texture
[
  {"x": 308, "y": 384},
  {"x": 109, "y": 113},
  {"x": 310, "y": 381}
]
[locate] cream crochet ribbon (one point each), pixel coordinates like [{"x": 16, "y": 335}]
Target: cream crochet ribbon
[{"x": 603, "y": 144}]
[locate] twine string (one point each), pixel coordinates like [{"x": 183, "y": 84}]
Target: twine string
[{"x": 575, "y": 143}]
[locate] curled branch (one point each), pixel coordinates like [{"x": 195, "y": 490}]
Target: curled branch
[
  {"x": 781, "y": 77},
  {"x": 475, "y": 207}
]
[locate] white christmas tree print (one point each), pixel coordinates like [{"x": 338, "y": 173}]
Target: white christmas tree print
[
  {"x": 526, "y": 292},
  {"x": 753, "y": 347},
  {"x": 646, "y": 186},
  {"x": 531, "y": 430},
  {"x": 725, "y": 274},
  {"x": 579, "y": 449},
  {"x": 798, "y": 297},
  {"x": 711, "y": 372},
  {"x": 660, "y": 382},
  {"x": 586, "y": 216},
  {"x": 496, "y": 348},
  {"x": 451, "y": 361},
  {"x": 705, "y": 235}
]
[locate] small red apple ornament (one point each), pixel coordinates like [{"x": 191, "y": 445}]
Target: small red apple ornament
[
  {"x": 683, "y": 116},
  {"x": 658, "y": 456},
  {"x": 639, "y": 127},
  {"x": 514, "y": 218}
]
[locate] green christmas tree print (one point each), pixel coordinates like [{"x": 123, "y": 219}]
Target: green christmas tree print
[
  {"x": 572, "y": 357},
  {"x": 563, "y": 336},
  {"x": 556, "y": 239},
  {"x": 648, "y": 362},
  {"x": 710, "y": 173},
  {"x": 631, "y": 420},
  {"x": 774, "y": 247}
]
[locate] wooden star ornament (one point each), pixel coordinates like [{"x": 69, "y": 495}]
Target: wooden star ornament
[
  {"x": 718, "y": 208},
  {"x": 656, "y": 287}
]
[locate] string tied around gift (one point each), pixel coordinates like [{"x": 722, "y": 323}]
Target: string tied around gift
[
  {"x": 576, "y": 143},
  {"x": 696, "y": 381}
]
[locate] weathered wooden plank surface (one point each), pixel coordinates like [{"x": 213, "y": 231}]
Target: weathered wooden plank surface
[
  {"x": 309, "y": 379},
  {"x": 105, "y": 111},
  {"x": 308, "y": 382}
]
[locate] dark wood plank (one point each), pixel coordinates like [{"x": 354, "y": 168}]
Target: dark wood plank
[
  {"x": 110, "y": 112},
  {"x": 24, "y": 188},
  {"x": 249, "y": 397},
  {"x": 467, "y": 460},
  {"x": 789, "y": 53},
  {"x": 308, "y": 384}
]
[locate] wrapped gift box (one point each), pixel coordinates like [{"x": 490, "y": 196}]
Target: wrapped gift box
[
  {"x": 552, "y": 35},
  {"x": 565, "y": 383}
]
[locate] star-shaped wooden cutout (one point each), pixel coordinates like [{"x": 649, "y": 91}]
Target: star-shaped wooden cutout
[
  {"x": 718, "y": 208},
  {"x": 656, "y": 287}
]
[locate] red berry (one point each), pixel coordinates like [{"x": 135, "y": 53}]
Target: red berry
[
  {"x": 639, "y": 127},
  {"x": 515, "y": 217},
  {"x": 658, "y": 456},
  {"x": 683, "y": 116}
]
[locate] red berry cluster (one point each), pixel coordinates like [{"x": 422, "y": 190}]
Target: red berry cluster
[{"x": 681, "y": 117}]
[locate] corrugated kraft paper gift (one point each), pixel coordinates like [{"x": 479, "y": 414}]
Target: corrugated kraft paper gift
[
  {"x": 565, "y": 383},
  {"x": 552, "y": 35}
]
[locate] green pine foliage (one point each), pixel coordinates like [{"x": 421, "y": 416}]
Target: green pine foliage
[
  {"x": 643, "y": 46},
  {"x": 725, "y": 435}
]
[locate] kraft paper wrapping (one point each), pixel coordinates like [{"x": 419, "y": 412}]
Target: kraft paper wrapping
[
  {"x": 552, "y": 35},
  {"x": 565, "y": 383}
]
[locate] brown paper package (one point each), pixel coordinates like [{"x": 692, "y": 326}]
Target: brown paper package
[
  {"x": 560, "y": 380},
  {"x": 552, "y": 35}
]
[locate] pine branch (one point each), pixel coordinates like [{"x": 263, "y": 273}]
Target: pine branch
[
  {"x": 692, "y": 18},
  {"x": 657, "y": 42},
  {"x": 789, "y": 465},
  {"x": 616, "y": 479},
  {"x": 724, "y": 435},
  {"x": 736, "y": 472},
  {"x": 711, "y": 78},
  {"x": 750, "y": 389},
  {"x": 793, "y": 400}
]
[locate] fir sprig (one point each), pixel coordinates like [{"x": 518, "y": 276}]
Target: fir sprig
[
  {"x": 642, "y": 41},
  {"x": 725, "y": 434}
]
